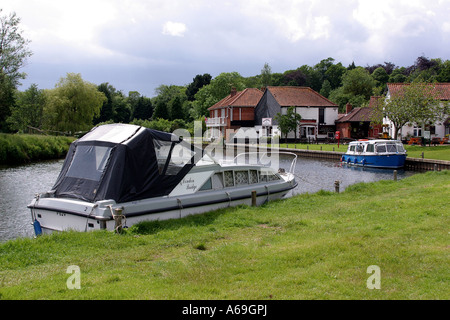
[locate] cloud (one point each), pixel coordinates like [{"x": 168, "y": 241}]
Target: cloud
[
  {"x": 170, "y": 41},
  {"x": 176, "y": 29}
]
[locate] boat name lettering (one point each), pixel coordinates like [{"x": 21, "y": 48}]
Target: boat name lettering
[
  {"x": 190, "y": 180},
  {"x": 191, "y": 186},
  {"x": 61, "y": 214}
]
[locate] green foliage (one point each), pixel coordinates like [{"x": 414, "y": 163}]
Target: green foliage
[
  {"x": 28, "y": 110},
  {"x": 18, "y": 149},
  {"x": 288, "y": 122},
  {"x": 72, "y": 105}
]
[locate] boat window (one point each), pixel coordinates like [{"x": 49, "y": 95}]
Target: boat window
[
  {"x": 400, "y": 147},
  {"x": 359, "y": 148},
  {"x": 228, "y": 177},
  {"x": 171, "y": 155},
  {"x": 351, "y": 148},
  {"x": 370, "y": 148},
  {"x": 262, "y": 176},
  {"x": 207, "y": 185},
  {"x": 89, "y": 162},
  {"x": 253, "y": 176},
  {"x": 381, "y": 148},
  {"x": 391, "y": 148},
  {"x": 217, "y": 181},
  {"x": 268, "y": 176},
  {"x": 241, "y": 177}
]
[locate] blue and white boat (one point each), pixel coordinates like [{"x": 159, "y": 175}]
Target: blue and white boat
[{"x": 375, "y": 153}]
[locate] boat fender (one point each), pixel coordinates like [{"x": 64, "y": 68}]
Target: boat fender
[
  {"x": 37, "y": 228},
  {"x": 355, "y": 161}
]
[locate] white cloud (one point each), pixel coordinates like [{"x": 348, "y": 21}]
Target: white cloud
[{"x": 176, "y": 29}]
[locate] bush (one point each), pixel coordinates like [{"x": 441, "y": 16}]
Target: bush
[{"x": 23, "y": 148}]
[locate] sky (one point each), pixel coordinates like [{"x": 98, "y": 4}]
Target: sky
[{"x": 138, "y": 45}]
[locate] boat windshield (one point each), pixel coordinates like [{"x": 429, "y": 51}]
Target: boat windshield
[{"x": 171, "y": 156}]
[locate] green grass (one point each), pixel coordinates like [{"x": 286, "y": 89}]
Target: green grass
[
  {"x": 23, "y": 148},
  {"x": 433, "y": 152},
  {"x": 430, "y": 152},
  {"x": 311, "y": 246}
]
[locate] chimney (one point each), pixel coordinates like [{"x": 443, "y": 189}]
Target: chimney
[
  {"x": 348, "y": 108},
  {"x": 233, "y": 91}
]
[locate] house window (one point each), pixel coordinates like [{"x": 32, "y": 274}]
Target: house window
[
  {"x": 417, "y": 132},
  {"x": 321, "y": 115}
]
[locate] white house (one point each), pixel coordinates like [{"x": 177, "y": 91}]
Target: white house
[
  {"x": 318, "y": 113},
  {"x": 437, "y": 130}
]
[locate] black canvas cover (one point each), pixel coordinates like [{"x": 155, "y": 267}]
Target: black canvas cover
[{"x": 124, "y": 163}]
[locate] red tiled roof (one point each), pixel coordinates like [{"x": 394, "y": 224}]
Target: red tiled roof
[
  {"x": 299, "y": 97},
  {"x": 246, "y": 98},
  {"x": 357, "y": 115},
  {"x": 442, "y": 89}
]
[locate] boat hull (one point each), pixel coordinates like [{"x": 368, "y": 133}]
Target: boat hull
[
  {"x": 54, "y": 214},
  {"x": 390, "y": 161}
]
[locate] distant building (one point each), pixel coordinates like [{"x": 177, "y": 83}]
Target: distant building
[
  {"x": 318, "y": 113},
  {"x": 436, "y": 130},
  {"x": 356, "y": 123},
  {"x": 233, "y": 112}
]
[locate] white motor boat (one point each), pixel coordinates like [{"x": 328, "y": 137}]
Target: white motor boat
[{"x": 118, "y": 175}]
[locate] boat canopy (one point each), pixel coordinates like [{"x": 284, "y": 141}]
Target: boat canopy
[{"x": 124, "y": 163}]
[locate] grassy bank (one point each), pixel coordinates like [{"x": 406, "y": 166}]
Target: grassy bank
[
  {"x": 24, "y": 148},
  {"x": 430, "y": 152},
  {"x": 311, "y": 246}
]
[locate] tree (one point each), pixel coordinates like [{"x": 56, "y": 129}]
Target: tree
[
  {"x": 288, "y": 122},
  {"x": 143, "y": 109},
  {"x": 176, "y": 108},
  {"x": 13, "y": 56},
  {"x": 28, "y": 109},
  {"x": 13, "y": 48},
  {"x": 219, "y": 88},
  {"x": 266, "y": 75},
  {"x": 358, "y": 82},
  {"x": 414, "y": 103},
  {"x": 107, "y": 110},
  {"x": 165, "y": 94},
  {"x": 197, "y": 83},
  {"x": 72, "y": 104}
]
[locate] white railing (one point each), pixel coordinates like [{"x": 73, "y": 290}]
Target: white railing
[
  {"x": 268, "y": 159},
  {"x": 210, "y": 122}
]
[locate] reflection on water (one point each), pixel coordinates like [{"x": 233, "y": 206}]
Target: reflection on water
[{"x": 18, "y": 186}]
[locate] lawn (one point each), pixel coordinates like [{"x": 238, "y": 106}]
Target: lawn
[{"x": 311, "y": 246}]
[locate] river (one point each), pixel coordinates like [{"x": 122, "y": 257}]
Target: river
[{"x": 18, "y": 186}]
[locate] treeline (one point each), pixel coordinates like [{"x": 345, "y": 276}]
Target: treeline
[{"x": 76, "y": 105}]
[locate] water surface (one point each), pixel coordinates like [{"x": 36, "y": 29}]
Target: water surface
[{"x": 18, "y": 186}]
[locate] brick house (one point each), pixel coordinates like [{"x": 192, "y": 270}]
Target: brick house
[
  {"x": 233, "y": 112},
  {"x": 356, "y": 122}
]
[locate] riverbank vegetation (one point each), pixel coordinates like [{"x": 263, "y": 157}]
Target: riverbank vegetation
[
  {"x": 310, "y": 246},
  {"x": 23, "y": 148}
]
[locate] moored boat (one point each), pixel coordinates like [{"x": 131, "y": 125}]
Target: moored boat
[
  {"x": 375, "y": 153},
  {"x": 118, "y": 175}
]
